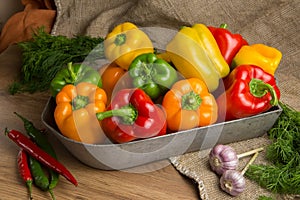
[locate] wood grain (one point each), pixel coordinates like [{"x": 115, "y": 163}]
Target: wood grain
[{"x": 165, "y": 183}]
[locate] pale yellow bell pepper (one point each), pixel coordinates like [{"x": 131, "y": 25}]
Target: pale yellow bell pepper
[{"x": 196, "y": 54}]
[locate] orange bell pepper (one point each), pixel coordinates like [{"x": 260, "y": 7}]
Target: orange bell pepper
[
  {"x": 189, "y": 104},
  {"x": 75, "y": 112},
  {"x": 110, "y": 75}
]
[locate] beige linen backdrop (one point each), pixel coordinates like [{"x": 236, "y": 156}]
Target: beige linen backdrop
[{"x": 271, "y": 22}]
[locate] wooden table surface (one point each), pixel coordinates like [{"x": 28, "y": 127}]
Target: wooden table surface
[{"x": 164, "y": 183}]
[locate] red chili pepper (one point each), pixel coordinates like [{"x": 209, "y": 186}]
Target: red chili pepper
[
  {"x": 229, "y": 44},
  {"x": 132, "y": 115},
  {"x": 249, "y": 91},
  {"x": 33, "y": 150},
  {"x": 24, "y": 170}
]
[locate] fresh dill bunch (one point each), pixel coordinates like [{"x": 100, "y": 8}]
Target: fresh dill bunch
[
  {"x": 283, "y": 174},
  {"x": 285, "y": 134},
  {"x": 45, "y": 55},
  {"x": 280, "y": 179}
]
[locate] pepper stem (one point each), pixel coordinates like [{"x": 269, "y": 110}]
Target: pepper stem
[
  {"x": 52, "y": 194},
  {"x": 223, "y": 26},
  {"x": 120, "y": 39},
  {"x": 26, "y": 121},
  {"x": 71, "y": 73},
  {"x": 29, "y": 186},
  {"x": 128, "y": 114},
  {"x": 79, "y": 102},
  {"x": 191, "y": 101},
  {"x": 146, "y": 70},
  {"x": 258, "y": 88}
]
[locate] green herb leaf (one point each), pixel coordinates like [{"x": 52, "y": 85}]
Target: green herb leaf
[
  {"x": 45, "y": 55},
  {"x": 264, "y": 198}
]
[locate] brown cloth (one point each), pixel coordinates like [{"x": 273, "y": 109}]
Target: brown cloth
[{"x": 20, "y": 26}]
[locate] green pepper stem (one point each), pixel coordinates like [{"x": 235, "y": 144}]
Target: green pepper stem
[
  {"x": 128, "y": 114},
  {"x": 52, "y": 194},
  {"x": 26, "y": 121},
  {"x": 259, "y": 88},
  {"x": 71, "y": 72},
  {"x": 147, "y": 71},
  {"x": 120, "y": 39},
  {"x": 79, "y": 102},
  {"x": 223, "y": 26},
  {"x": 29, "y": 186},
  {"x": 191, "y": 101}
]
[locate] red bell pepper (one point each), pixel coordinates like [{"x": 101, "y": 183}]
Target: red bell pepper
[
  {"x": 132, "y": 115},
  {"x": 249, "y": 90},
  {"x": 229, "y": 44}
]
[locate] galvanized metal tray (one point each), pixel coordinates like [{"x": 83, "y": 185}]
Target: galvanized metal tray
[{"x": 110, "y": 156}]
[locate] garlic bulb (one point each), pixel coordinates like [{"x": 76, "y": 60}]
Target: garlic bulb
[
  {"x": 222, "y": 158},
  {"x": 233, "y": 182}
]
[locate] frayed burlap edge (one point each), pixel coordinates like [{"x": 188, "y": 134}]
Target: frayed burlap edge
[{"x": 182, "y": 169}]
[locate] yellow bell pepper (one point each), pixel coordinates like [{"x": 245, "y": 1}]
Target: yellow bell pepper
[
  {"x": 196, "y": 54},
  {"x": 212, "y": 49},
  {"x": 125, "y": 42},
  {"x": 263, "y": 56}
]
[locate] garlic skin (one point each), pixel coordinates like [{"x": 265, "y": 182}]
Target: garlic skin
[
  {"x": 233, "y": 182},
  {"x": 222, "y": 158}
]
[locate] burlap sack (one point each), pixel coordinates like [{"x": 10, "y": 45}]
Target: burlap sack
[{"x": 271, "y": 22}]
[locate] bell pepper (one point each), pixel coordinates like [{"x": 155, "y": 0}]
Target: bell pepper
[
  {"x": 266, "y": 57},
  {"x": 195, "y": 54},
  {"x": 75, "y": 112},
  {"x": 165, "y": 56},
  {"x": 152, "y": 74},
  {"x": 229, "y": 43},
  {"x": 125, "y": 42},
  {"x": 212, "y": 49},
  {"x": 188, "y": 104},
  {"x": 110, "y": 75},
  {"x": 249, "y": 90},
  {"x": 132, "y": 115},
  {"x": 74, "y": 74}
]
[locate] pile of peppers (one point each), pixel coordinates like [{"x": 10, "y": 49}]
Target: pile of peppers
[{"x": 206, "y": 75}]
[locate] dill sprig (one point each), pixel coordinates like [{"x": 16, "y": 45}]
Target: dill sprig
[
  {"x": 283, "y": 174},
  {"x": 264, "y": 198},
  {"x": 45, "y": 55}
]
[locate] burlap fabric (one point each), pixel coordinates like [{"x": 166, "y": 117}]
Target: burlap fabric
[{"x": 272, "y": 22}]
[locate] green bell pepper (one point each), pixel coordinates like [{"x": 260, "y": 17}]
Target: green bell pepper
[
  {"x": 152, "y": 74},
  {"x": 74, "y": 74}
]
